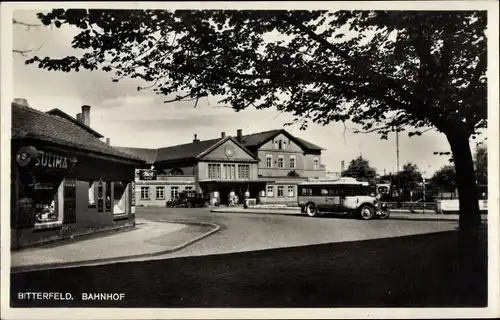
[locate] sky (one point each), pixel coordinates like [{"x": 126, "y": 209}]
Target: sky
[{"x": 142, "y": 119}]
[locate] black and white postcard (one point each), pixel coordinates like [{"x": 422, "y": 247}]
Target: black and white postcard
[{"x": 250, "y": 160}]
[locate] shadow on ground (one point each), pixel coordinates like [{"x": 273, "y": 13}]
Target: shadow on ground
[{"x": 411, "y": 271}]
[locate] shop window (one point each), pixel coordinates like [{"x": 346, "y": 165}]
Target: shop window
[
  {"x": 48, "y": 198},
  {"x": 144, "y": 193},
  {"x": 281, "y": 191},
  {"x": 108, "y": 196},
  {"x": 160, "y": 193},
  {"x": 269, "y": 161},
  {"x": 174, "y": 192},
  {"x": 291, "y": 191},
  {"x": 270, "y": 191},
  {"x": 69, "y": 206},
  {"x": 92, "y": 192},
  {"x": 120, "y": 189}
]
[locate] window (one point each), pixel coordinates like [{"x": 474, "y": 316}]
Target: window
[
  {"x": 120, "y": 190},
  {"x": 269, "y": 161},
  {"x": 316, "y": 163},
  {"x": 188, "y": 188},
  {"x": 176, "y": 172},
  {"x": 281, "y": 191},
  {"x": 280, "y": 145},
  {"x": 324, "y": 192},
  {"x": 214, "y": 171},
  {"x": 276, "y": 144},
  {"x": 244, "y": 171},
  {"x": 270, "y": 191},
  {"x": 263, "y": 194},
  {"x": 174, "y": 192},
  {"x": 229, "y": 171},
  {"x": 305, "y": 191},
  {"x": 280, "y": 161},
  {"x": 291, "y": 192},
  {"x": 284, "y": 144},
  {"x": 292, "y": 162},
  {"x": 144, "y": 193},
  {"x": 160, "y": 193}
]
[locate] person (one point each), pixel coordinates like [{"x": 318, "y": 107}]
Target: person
[
  {"x": 231, "y": 198},
  {"x": 247, "y": 196}
]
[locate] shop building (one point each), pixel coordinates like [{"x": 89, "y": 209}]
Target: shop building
[
  {"x": 65, "y": 181},
  {"x": 269, "y": 164}
]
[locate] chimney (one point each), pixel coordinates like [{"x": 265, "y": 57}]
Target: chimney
[
  {"x": 222, "y": 135},
  {"x": 341, "y": 166},
  {"x": 22, "y": 102},
  {"x": 86, "y": 115},
  {"x": 239, "y": 134},
  {"x": 108, "y": 141},
  {"x": 196, "y": 138},
  {"x": 79, "y": 117}
]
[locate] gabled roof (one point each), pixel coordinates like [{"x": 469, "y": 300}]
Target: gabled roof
[
  {"x": 256, "y": 140},
  {"x": 62, "y": 114},
  {"x": 34, "y": 124},
  {"x": 220, "y": 142}
]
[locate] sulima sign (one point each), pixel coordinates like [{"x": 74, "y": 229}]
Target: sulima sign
[{"x": 49, "y": 160}]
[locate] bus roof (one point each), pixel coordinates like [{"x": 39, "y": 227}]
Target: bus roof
[{"x": 342, "y": 181}]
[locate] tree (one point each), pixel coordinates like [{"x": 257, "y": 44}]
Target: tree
[
  {"x": 360, "y": 169},
  {"x": 382, "y": 70},
  {"x": 409, "y": 177},
  {"x": 445, "y": 179},
  {"x": 481, "y": 164}
]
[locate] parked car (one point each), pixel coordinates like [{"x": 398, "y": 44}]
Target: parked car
[{"x": 189, "y": 199}]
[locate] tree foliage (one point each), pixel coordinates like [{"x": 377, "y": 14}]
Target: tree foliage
[
  {"x": 481, "y": 164},
  {"x": 382, "y": 70},
  {"x": 360, "y": 169},
  {"x": 410, "y": 177},
  {"x": 416, "y": 68},
  {"x": 445, "y": 179}
]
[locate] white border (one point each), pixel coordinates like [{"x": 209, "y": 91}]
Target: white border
[{"x": 84, "y": 313}]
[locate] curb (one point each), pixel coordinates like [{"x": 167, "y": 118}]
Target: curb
[{"x": 60, "y": 265}]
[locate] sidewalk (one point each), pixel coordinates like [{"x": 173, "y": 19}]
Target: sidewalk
[
  {"x": 295, "y": 211},
  {"x": 149, "y": 238}
]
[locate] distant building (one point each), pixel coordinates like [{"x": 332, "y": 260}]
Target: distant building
[
  {"x": 65, "y": 181},
  {"x": 270, "y": 164}
]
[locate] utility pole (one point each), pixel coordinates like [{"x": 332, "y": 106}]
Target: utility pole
[{"x": 397, "y": 164}]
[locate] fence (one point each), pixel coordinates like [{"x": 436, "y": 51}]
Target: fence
[{"x": 414, "y": 205}]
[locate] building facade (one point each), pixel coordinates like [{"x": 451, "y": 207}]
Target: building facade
[
  {"x": 65, "y": 181},
  {"x": 269, "y": 164}
]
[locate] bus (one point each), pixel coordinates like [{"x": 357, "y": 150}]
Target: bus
[{"x": 346, "y": 195}]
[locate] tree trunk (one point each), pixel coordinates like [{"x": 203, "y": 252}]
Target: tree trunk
[
  {"x": 470, "y": 233},
  {"x": 469, "y": 218}
]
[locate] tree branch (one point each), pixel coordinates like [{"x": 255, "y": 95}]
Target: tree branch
[
  {"x": 24, "y": 52},
  {"x": 481, "y": 65},
  {"x": 27, "y": 25}
]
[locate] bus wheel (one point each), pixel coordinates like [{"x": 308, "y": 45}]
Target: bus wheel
[
  {"x": 366, "y": 212},
  {"x": 311, "y": 210}
]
